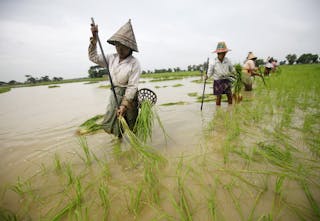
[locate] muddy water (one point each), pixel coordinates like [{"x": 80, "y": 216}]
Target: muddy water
[{"x": 37, "y": 122}]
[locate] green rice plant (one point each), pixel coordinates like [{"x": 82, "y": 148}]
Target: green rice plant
[
  {"x": 84, "y": 145},
  {"x": 146, "y": 152},
  {"x": 69, "y": 174},
  {"x": 193, "y": 94},
  {"x": 177, "y": 85},
  {"x": 276, "y": 206},
  {"x": 64, "y": 211},
  {"x": 57, "y": 163},
  {"x": 237, "y": 84},
  {"x": 183, "y": 205},
  {"x": 145, "y": 121},
  {"x": 53, "y": 86},
  {"x": 235, "y": 201},
  {"x": 174, "y": 103},
  {"x": 212, "y": 201},
  {"x": 4, "y": 89},
  {"x": 91, "y": 125},
  {"x": 135, "y": 201},
  {"x": 151, "y": 179},
  {"x": 256, "y": 202},
  {"x": 105, "y": 200},
  {"x": 313, "y": 203},
  {"x": 7, "y": 215},
  {"x": 21, "y": 188}
]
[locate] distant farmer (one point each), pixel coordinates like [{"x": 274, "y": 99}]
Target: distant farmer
[
  {"x": 125, "y": 72},
  {"x": 222, "y": 70},
  {"x": 249, "y": 70},
  {"x": 268, "y": 66}
]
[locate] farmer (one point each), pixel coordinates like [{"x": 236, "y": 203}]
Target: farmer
[
  {"x": 125, "y": 72},
  {"x": 221, "y": 70},
  {"x": 249, "y": 70},
  {"x": 268, "y": 66}
]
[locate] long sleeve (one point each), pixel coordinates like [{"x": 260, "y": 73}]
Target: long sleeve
[{"x": 93, "y": 55}]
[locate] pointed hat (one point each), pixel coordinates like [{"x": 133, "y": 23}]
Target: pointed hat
[
  {"x": 251, "y": 56},
  {"x": 125, "y": 36}
]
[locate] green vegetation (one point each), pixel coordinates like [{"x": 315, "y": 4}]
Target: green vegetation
[
  {"x": 258, "y": 160},
  {"x": 4, "y": 89}
]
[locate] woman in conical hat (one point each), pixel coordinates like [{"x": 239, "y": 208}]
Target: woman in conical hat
[
  {"x": 249, "y": 70},
  {"x": 125, "y": 72},
  {"x": 222, "y": 71}
]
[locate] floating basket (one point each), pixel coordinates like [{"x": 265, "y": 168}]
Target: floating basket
[{"x": 147, "y": 94}]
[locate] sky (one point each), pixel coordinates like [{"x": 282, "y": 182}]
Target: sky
[{"x": 42, "y": 37}]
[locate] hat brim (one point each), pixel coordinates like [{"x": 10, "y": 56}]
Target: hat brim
[{"x": 221, "y": 50}]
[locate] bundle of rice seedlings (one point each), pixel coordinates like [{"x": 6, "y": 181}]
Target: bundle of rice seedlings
[
  {"x": 146, "y": 152},
  {"x": 91, "y": 125},
  {"x": 237, "y": 83},
  {"x": 145, "y": 121}
]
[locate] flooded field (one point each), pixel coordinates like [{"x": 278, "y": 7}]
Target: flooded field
[{"x": 257, "y": 160}]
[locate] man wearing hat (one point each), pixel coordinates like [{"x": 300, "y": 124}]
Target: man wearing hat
[
  {"x": 125, "y": 72},
  {"x": 221, "y": 70},
  {"x": 249, "y": 70}
]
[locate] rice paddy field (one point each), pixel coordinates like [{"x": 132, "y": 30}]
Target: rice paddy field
[{"x": 255, "y": 160}]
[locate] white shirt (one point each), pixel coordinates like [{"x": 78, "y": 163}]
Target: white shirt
[
  {"x": 124, "y": 74},
  {"x": 221, "y": 70}
]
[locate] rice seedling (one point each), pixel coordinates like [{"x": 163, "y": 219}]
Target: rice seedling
[
  {"x": 235, "y": 201},
  {"x": 57, "y": 163},
  {"x": 91, "y": 125},
  {"x": 177, "y": 85},
  {"x": 145, "y": 121},
  {"x": 255, "y": 204},
  {"x": 146, "y": 152},
  {"x": 69, "y": 174},
  {"x": 313, "y": 203},
  {"x": 21, "y": 188},
  {"x": 135, "y": 199},
  {"x": 174, "y": 103},
  {"x": 84, "y": 145},
  {"x": 105, "y": 200},
  {"x": 7, "y": 215},
  {"x": 151, "y": 179},
  {"x": 237, "y": 84},
  {"x": 53, "y": 86},
  {"x": 183, "y": 205},
  {"x": 193, "y": 94}
]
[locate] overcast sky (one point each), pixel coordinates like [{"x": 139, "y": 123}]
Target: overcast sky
[{"x": 50, "y": 37}]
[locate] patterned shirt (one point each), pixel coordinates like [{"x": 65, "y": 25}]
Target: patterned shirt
[
  {"x": 124, "y": 74},
  {"x": 221, "y": 70}
]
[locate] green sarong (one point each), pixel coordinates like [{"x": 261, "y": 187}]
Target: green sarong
[{"x": 110, "y": 122}]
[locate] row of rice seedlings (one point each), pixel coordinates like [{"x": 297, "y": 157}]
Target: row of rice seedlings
[{"x": 177, "y": 85}]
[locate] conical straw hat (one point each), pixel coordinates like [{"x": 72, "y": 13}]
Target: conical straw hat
[
  {"x": 125, "y": 36},
  {"x": 221, "y": 47},
  {"x": 251, "y": 56}
]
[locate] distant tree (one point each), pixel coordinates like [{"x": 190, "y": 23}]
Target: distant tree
[
  {"x": 57, "y": 78},
  {"x": 30, "y": 79},
  {"x": 291, "y": 58},
  {"x": 282, "y": 62},
  {"x": 12, "y": 82},
  {"x": 96, "y": 71},
  {"x": 44, "y": 79},
  {"x": 307, "y": 59}
]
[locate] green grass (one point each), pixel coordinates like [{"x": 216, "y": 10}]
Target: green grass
[{"x": 4, "y": 89}]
